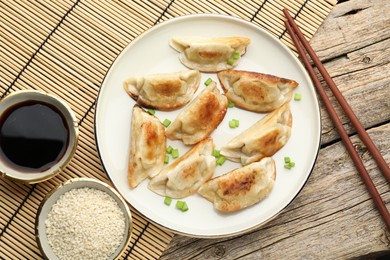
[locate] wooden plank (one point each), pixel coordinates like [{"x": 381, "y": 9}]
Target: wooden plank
[
  {"x": 370, "y": 86},
  {"x": 371, "y": 20}
]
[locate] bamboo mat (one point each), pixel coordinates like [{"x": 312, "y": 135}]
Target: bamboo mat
[{"x": 65, "y": 48}]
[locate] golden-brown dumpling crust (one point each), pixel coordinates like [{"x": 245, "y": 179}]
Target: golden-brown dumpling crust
[
  {"x": 255, "y": 91},
  {"x": 199, "y": 119},
  {"x": 209, "y": 54},
  {"x": 147, "y": 147},
  {"x": 241, "y": 187},
  {"x": 185, "y": 175},
  {"x": 262, "y": 139},
  {"x": 164, "y": 91}
]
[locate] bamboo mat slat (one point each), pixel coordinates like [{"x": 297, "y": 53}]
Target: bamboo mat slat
[{"x": 66, "y": 48}]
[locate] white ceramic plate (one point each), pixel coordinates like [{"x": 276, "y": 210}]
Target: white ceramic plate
[{"x": 151, "y": 53}]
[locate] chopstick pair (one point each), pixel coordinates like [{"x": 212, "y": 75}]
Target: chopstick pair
[{"x": 299, "y": 41}]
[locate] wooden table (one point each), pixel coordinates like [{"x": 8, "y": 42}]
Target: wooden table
[{"x": 333, "y": 216}]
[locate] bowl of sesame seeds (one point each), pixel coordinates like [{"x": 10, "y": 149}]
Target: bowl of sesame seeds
[{"x": 83, "y": 218}]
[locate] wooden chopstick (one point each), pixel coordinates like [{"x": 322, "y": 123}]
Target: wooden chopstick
[
  {"x": 343, "y": 103},
  {"x": 295, "y": 33}
]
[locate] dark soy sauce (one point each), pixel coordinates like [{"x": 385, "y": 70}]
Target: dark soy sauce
[{"x": 33, "y": 136}]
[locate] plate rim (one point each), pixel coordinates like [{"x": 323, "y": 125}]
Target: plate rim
[{"x": 236, "y": 19}]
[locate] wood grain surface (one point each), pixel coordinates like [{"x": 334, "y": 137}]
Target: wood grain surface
[{"x": 333, "y": 217}]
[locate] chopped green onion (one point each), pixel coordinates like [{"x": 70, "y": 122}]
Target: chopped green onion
[
  {"x": 230, "y": 104},
  {"x": 184, "y": 208},
  {"x": 169, "y": 149},
  {"x": 167, "y": 201},
  {"x": 151, "y": 111},
  {"x": 175, "y": 153},
  {"x": 216, "y": 153},
  {"x": 166, "y": 159},
  {"x": 221, "y": 159},
  {"x": 179, "y": 204},
  {"x": 208, "y": 81},
  {"x": 182, "y": 205},
  {"x": 166, "y": 122},
  {"x": 234, "y": 123},
  {"x": 297, "y": 96},
  {"x": 236, "y": 55},
  {"x": 230, "y": 61},
  {"x": 288, "y": 164}
]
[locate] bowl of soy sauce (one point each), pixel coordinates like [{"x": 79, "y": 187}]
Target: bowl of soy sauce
[{"x": 38, "y": 136}]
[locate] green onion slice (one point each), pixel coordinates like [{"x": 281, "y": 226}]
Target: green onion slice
[
  {"x": 216, "y": 153},
  {"x": 288, "y": 164},
  {"x": 167, "y": 201},
  {"x": 169, "y": 149},
  {"x": 230, "y": 104},
  {"x": 234, "y": 123},
  {"x": 297, "y": 96},
  {"x": 166, "y": 159},
  {"x": 179, "y": 204},
  {"x": 184, "y": 207},
  {"x": 221, "y": 159},
  {"x": 230, "y": 61},
  {"x": 175, "y": 153},
  {"x": 208, "y": 81},
  {"x": 166, "y": 122},
  {"x": 151, "y": 111},
  {"x": 236, "y": 55}
]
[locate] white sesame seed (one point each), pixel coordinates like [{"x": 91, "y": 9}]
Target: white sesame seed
[{"x": 85, "y": 223}]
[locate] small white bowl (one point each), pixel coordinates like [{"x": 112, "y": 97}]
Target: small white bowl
[
  {"x": 26, "y": 95},
  {"x": 52, "y": 197}
]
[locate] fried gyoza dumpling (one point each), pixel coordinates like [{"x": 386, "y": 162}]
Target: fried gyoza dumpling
[
  {"x": 199, "y": 119},
  {"x": 210, "y": 54},
  {"x": 165, "y": 91},
  {"x": 147, "y": 147},
  {"x": 241, "y": 187},
  {"x": 184, "y": 176},
  {"x": 256, "y": 91},
  {"x": 262, "y": 139}
]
